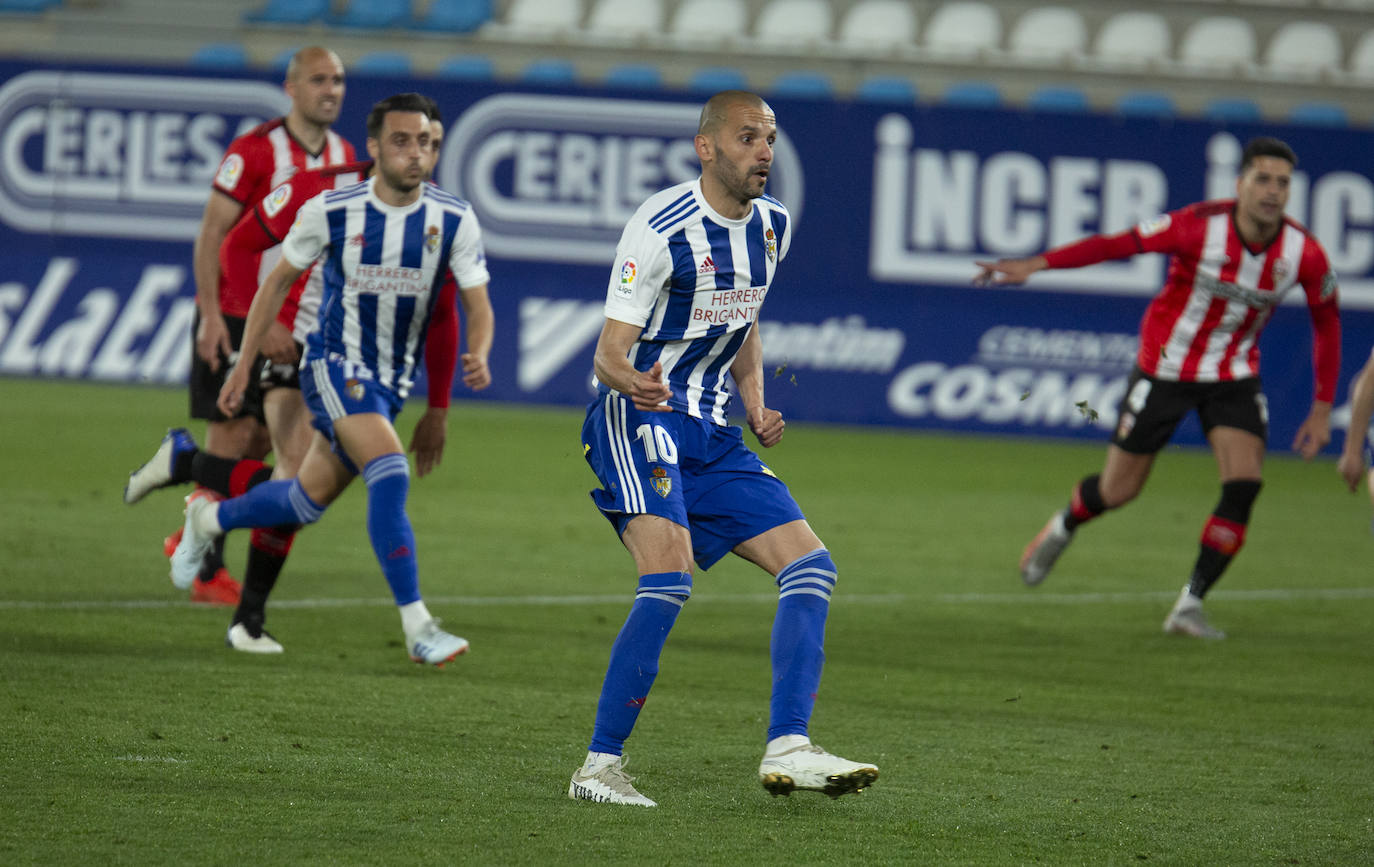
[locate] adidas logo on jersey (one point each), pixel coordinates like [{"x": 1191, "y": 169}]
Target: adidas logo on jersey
[{"x": 707, "y": 267}]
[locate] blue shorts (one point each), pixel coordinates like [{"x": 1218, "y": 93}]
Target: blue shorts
[
  {"x": 334, "y": 388},
  {"x": 689, "y": 470}
]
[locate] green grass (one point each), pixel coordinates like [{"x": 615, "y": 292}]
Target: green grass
[{"x": 1054, "y": 726}]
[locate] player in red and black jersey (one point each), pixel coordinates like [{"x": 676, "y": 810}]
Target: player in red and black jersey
[
  {"x": 253, "y": 165},
  {"x": 1232, "y": 262}
]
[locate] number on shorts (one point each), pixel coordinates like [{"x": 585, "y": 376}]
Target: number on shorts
[{"x": 658, "y": 445}]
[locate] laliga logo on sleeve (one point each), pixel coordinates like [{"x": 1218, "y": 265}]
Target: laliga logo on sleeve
[
  {"x": 277, "y": 200},
  {"x": 229, "y": 172},
  {"x": 628, "y": 270}
]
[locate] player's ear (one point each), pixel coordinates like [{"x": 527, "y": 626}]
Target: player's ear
[
  {"x": 373, "y": 148},
  {"x": 705, "y": 148}
]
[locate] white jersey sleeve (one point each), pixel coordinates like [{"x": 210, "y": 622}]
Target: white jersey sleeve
[
  {"x": 308, "y": 236},
  {"x": 467, "y": 259},
  {"x": 643, "y": 266}
]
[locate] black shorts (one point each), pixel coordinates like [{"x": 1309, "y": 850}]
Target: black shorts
[
  {"x": 273, "y": 375},
  {"x": 1152, "y": 409},
  {"x": 205, "y": 383}
]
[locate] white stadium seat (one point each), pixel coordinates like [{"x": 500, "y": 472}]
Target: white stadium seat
[
  {"x": 794, "y": 22},
  {"x": 1304, "y": 47},
  {"x": 963, "y": 28},
  {"x": 1049, "y": 33},
  {"x": 539, "y": 18},
  {"x": 878, "y": 24},
  {"x": 1362, "y": 57},
  {"x": 1133, "y": 39},
  {"x": 707, "y": 21},
  {"x": 622, "y": 18},
  {"x": 1220, "y": 43}
]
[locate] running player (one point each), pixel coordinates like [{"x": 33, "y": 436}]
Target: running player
[
  {"x": 388, "y": 244},
  {"x": 254, "y": 164},
  {"x": 1233, "y": 261},
  {"x": 678, "y": 484}
]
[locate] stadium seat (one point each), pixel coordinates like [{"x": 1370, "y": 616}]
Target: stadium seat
[
  {"x": 1239, "y": 109},
  {"x": 886, "y": 88},
  {"x": 802, "y": 84},
  {"x": 550, "y": 70},
  {"x": 454, "y": 16},
  {"x": 1319, "y": 114},
  {"x": 219, "y": 55},
  {"x": 1305, "y": 48},
  {"x": 27, "y": 7},
  {"x": 713, "y": 79},
  {"x": 875, "y": 25},
  {"x": 793, "y": 23},
  {"x": 1362, "y": 57},
  {"x": 972, "y": 94},
  {"x": 1049, "y": 33},
  {"x": 625, "y": 19},
  {"x": 1133, "y": 39},
  {"x": 468, "y": 67},
  {"x": 541, "y": 18},
  {"x": 963, "y": 28},
  {"x": 1058, "y": 97},
  {"x": 395, "y": 63},
  {"x": 1218, "y": 43},
  {"x": 707, "y": 20},
  {"x": 289, "y": 12},
  {"x": 635, "y": 76},
  {"x": 1146, "y": 103},
  {"x": 373, "y": 14}
]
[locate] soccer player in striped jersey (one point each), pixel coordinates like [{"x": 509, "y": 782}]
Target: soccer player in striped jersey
[
  {"x": 1355, "y": 460},
  {"x": 679, "y": 486},
  {"x": 388, "y": 244},
  {"x": 1232, "y": 262},
  {"x": 254, "y": 164}
]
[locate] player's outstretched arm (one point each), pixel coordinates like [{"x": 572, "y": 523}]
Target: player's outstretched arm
[
  {"x": 645, "y": 388},
  {"x": 212, "y": 338},
  {"x": 1315, "y": 431},
  {"x": 481, "y": 330},
  {"x": 747, "y": 371},
  {"x": 261, "y": 316}
]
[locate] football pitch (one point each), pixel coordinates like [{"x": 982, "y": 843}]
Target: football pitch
[{"x": 1011, "y": 726}]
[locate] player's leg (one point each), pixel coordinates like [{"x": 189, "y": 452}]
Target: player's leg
[
  {"x": 1146, "y": 418},
  {"x": 636, "y": 457},
  {"x": 288, "y": 420},
  {"x": 1235, "y": 417}
]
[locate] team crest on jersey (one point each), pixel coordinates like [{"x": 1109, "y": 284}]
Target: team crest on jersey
[
  {"x": 354, "y": 388},
  {"x": 770, "y": 244},
  {"x": 277, "y": 200},
  {"x": 432, "y": 239},
  {"x": 229, "y": 172},
  {"x": 662, "y": 483},
  {"x": 1282, "y": 268},
  {"x": 628, "y": 270}
]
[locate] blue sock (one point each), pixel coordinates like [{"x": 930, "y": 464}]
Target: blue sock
[
  {"x": 804, "y": 587},
  {"x": 270, "y": 504},
  {"x": 388, "y": 525},
  {"x": 634, "y": 657}
]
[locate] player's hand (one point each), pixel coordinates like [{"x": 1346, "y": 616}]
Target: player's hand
[
  {"x": 231, "y": 394},
  {"x": 1007, "y": 271},
  {"x": 427, "y": 442},
  {"x": 1351, "y": 468},
  {"x": 767, "y": 425},
  {"x": 476, "y": 374},
  {"x": 279, "y": 346},
  {"x": 648, "y": 391},
  {"x": 1314, "y": 434},
  {"x": 212, "y": 340}
]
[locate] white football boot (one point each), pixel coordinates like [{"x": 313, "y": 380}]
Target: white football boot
[
  {"x": 201, "y": 530},
  {"x": 1044, "y": 549},
  {"x": 433, "y": 646},
  {"x": 1187, "y": 619},
  {"x": 602, "y": 778},
  {"x": 810, "y": 768}
]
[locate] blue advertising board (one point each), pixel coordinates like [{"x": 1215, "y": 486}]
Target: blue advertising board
[{"x": 104, "y": 172}]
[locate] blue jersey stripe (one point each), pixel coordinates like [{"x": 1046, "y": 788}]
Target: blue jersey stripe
[
  {"x": 374, "y": 236},
  {"x": 721, "y": 254},
  {"x": 683, "y": 289},
  {"x": 413, "y": 240},
  {"x": 779, "y": 221},
  {"x": 405, "y": 314},
  {"x": 753, "y": 237},
  {"x": 367, "y": 323},
  {"x": 659, "y": 220}
]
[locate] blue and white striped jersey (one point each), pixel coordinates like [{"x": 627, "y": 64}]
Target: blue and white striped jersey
[
  {"x": 694, "y": 281},
  {"x": 383, "y": 267}
]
